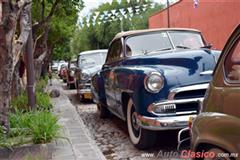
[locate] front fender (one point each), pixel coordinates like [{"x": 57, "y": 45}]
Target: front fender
[
  {"x": 130, "y": 80},
  {"x": 217, "y": 129}
]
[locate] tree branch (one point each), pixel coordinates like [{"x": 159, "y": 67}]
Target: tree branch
[
  {"x": 43, "y": 9},
  {"x": 51, "y": 13},
  {"x": 35, "y": 43},
  {"x": 25, "y": 27}
]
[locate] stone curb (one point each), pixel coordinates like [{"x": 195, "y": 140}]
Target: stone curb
[{"x": 80, "y": 142}]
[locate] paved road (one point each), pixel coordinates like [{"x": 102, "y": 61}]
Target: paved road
[{"x": 112, "y": 137}]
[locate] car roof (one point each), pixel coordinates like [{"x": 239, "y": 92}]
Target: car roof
[
  {"x": 136, "y": 32},
  {"x": 93, "y": 51}
]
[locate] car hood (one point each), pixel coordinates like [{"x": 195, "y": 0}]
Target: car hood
[
  {"x": 180, "y": 68},
  {"x": 92, "y": 70}
]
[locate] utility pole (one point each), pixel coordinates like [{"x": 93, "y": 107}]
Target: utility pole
[
  {"x": 122, "y": 25},
  {"x": 168, "y": 14},
  {"x": 30, "y": 68}
]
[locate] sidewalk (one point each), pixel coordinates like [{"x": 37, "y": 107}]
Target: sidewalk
[{"x": 79, "y": 145}]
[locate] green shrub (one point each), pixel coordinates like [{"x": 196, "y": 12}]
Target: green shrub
[
  {"x": 1, "y": 133},
  {"x": 20, "y": 102},
  {"x": 41, "y": 85},
  {"x": 20, "y": 123},
  {"x": 40, "y": 125},
  {"x": 43, "y": 101},
  {"x": 44, "y": 127}
]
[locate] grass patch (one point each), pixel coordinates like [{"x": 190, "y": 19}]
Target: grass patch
[
  {"x": 43, "y": 102},
  {"x": 41, "y": 85},
  {"x": 36, "y": 126},
  {"x": 44, "y": 127}
]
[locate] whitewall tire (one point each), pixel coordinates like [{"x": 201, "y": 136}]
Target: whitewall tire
[{"x": 141, "y": 138}]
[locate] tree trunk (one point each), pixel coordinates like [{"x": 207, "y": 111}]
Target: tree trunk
[
  {"x": 41, "y": 53},
  {"x": 10, "y": 49},
  {"x": 16, "y": 84},
  {"x": 7, "y": 32}
]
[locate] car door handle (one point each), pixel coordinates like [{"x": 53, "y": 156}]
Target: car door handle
[{"x": 209, "y": 72}]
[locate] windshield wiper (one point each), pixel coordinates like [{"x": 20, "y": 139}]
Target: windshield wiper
[
  {"x": 183, "y": 47},
  {"x": 157, "y": 50}
]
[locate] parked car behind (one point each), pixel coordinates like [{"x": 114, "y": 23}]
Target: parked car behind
[
  {"x": 89, "y": 62},
  {"x": 217, "y": 128},
  {"x": 54, "y": 66},
  {"x": 154, "y": 80},
  {"x": 72, "y": 67},
  {"x": 63, "y": 72}
]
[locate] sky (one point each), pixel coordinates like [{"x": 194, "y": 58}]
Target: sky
[{"x": 90, "y": 4}]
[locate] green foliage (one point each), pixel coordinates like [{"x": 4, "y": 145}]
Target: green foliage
[
  {"x": 20, "y": 123},
  {"x": 99, "y": 36},
  {"x": 43, "y": 127},
  {"x": 41, "y": 85},
  {"x": 1, "y": 133},
  {"x": 43, "y": 101},
  {"x": 39, "y": 126},
  {"x": 20, "y": 102},
  {"x": 62, "y": 24}
]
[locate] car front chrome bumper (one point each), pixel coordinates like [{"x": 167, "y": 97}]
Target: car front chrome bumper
[
  {"x": 168, "y": 121},
  {"x": 163, "y": 123},
  {"x": 84, "y": 91}
]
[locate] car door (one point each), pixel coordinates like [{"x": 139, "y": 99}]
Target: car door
[
  {"x": 227, "y": 78},
  {"x": 113, "y": 59}
]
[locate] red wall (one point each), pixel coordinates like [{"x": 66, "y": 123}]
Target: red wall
[{"x": 215, "y": 18}]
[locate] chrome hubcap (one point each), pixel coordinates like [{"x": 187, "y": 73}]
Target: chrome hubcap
[{"x": 134, "y": 121}]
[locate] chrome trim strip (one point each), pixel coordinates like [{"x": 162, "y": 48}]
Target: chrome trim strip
[
  {"x": 174, "y": 91},
  {"x": 179, "y": 137},
  {"x": 180, "y": 101},
  {"x": 209, "y": 72},
  {"x": 163, "y": 123},
  {"x": 180, "y": 132}
]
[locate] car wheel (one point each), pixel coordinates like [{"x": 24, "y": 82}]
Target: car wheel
[
  {"x": 104, "y": 112},
  {"x": 141, "y": 138},
  {"x": 81, "y": 97}
]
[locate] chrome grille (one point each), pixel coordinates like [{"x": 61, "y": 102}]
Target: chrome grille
[{"x": 190, "y": 94}]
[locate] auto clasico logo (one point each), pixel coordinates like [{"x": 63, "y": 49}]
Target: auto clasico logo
[{"x": 185, "y": 154}]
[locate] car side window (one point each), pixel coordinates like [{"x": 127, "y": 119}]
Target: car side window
[
  {"x": 232, "y": 63},
  {"x": 115, "y": 52}
]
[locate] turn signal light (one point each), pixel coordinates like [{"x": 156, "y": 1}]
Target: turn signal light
[{"x": 190, "y": 122}]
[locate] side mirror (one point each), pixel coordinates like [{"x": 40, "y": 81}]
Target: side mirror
[
  {"x": 105, "y": 66},
  {"x": 209, "y": 45}
]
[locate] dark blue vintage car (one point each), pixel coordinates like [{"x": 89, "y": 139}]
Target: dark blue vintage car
[{"x": 154, "y": 80}]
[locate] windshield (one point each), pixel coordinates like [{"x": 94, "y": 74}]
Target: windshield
[
  {"x": 186, "y": 39},
  {"x": 147, "y": 43},
  {"x": 92, "y": 59},
  {"x": 160, "y": 41}
]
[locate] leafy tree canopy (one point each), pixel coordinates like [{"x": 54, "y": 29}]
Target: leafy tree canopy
[
  {"x": 98, "y": 33},
  {"x": 62, "y": 16}
]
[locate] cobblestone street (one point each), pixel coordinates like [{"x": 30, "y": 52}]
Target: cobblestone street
[{"x": 111, "y": 134}]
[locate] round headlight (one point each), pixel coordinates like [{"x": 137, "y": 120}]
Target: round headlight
[
  {"x": 85, "y": 76},
  {"x": 154, "y": 82}
]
